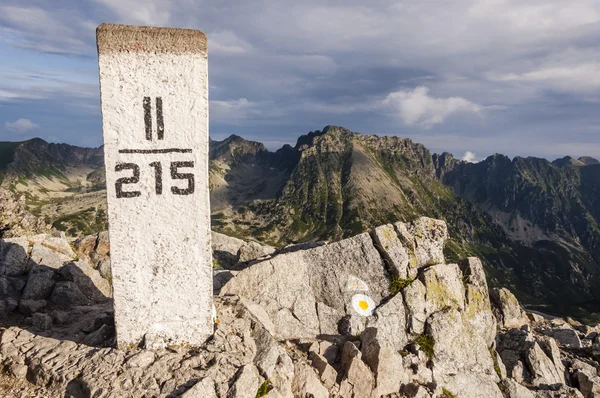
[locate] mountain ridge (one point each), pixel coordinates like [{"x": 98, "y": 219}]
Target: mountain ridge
[{"x": 528, "y": 218}]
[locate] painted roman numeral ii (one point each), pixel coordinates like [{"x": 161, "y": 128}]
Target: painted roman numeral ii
[{"x": 160, "y": 124}]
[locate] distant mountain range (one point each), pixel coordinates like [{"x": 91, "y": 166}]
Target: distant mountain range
[{"x": 534, "y": 222}]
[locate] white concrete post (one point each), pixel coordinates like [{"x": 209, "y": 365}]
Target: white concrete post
[{"x": 154, "y": 94}]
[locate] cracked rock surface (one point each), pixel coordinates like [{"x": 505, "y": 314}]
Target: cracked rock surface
[{"x": 380, "y": 314}]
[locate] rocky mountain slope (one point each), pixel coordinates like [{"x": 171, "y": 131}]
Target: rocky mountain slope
[
  {"x": 534, "y": 223},
  {"x": 551, "y": 208},
  {"x": 379, "y": 314},
  {"x": 61, "y": 184}
]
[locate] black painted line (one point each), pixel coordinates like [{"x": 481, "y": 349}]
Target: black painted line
[
  {"x": 148, "y": 118},
  {"x": 160, "y": 124},
  {"x": 166, "y": 150}
]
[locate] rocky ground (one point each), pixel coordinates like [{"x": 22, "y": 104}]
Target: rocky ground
[
  {"x": 378, "y": 314},
  {"x": 15, "y": 220}
]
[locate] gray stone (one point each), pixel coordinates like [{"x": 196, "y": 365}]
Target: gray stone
[
  {"x": 13, "y": 256},
  {"x": 471, "y": 385},
  {"x": 327, "y": 373},
  {"x": 566, "y": 337},
  {"x": 68, "y": 294},
  {"x": 418, "y": 362},
  {"x": 519, "y": 372},
  {"x": 561, "y": 391},
  {"x": 424, "y": 241},
  {"x": 60, "y": 317},
  {"x": 246, "y": 384},
  {"x": 512, "y": 389},
  {"x": 508, "y": 305},
  {"x": 88, "y": 280},
  {"x": 225, "y": 249},
  {"x": 253, "y": 250},
  {"x": 290, "y": 285},
  {"x": 49, "y": 256},
  {"x": 352, "y": 325},
  {"x": 39, "y": 285},
  {"x": 536, "y": 319},
  {"x": 10, "y": 304},
  {"x": 543, "y": 370},
  {"x": 59, "y": 245},
  {"x": 41, "y": 321},
  {"x": 550, "y": 348},
  {"x": 385, "y": 362},
  {"x": 355, "y": 372},
  {"x": 512, "y": 344},
  {"x": 220, "y": 278},
  {"x": 18, "y": 370},
  {"x": 283, "y": 376},
  {"x": 589, "y": 383},
  {"x": 142, "y": 360},
  {"x": 389, "y": 319},
  {"x": 100, "y": 337},
  {"x": 477, "y": 303},
  {"x": 413, "y": 390},
  {"x": 302, "y": 246},
  {"x": 28, "y": 307},
  {"x": 417, "y": 307},
  {"x": 329, "y": 319},
  {"x": 205, "y": 388},
  {"x": 94, "y": 322},
  {"x": 444, "y": 287},
  {"x": 11, "y": 286},
  {"x": 458, "y": 352},
  {"x": 438, "y": 288},
  {"x": 395, "y": 255},
  {"x": 306, "y": 383},
  {"x": 103, "y": 268}
]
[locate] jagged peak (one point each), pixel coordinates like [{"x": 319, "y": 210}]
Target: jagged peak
[
  {"x": 568, "y": 161},
  {"x": 307, "y": 139},
  {"x": 498, "y": 157},
  {"x": 588, "y": 160}
]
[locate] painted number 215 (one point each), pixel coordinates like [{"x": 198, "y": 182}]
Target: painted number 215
[{"x": 158, "y": 178}]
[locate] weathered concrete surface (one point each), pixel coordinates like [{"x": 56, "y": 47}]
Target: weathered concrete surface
[{"x": 154, "y": 95}]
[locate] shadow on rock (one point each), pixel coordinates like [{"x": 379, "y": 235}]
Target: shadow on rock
[
  {"x": 48, "y": 291},
  {"x": 77, "y": 388}
]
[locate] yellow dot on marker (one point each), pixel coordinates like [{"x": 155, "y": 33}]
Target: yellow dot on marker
[{"x": 363, "y": 304}]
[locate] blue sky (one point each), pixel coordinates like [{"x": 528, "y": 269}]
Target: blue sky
[{"x": 470, "y": 77}]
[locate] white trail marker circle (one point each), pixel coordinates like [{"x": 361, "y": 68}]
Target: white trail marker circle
[{"x": 154, "y": 95}]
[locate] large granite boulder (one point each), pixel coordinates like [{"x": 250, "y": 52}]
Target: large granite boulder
[
  {"x": 307, "y": 293},
  {"x": 508, "y": 309}
]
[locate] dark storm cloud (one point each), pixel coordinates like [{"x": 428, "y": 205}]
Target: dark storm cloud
[{"x": 479, "y": 76}]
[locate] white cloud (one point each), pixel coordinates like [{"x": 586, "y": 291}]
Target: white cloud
[
  {"x": 228, "y": 42},
  {"x": 582, "y": 78},
  {"x": 417, "y": 107},
  {"x": 41, "y": 30},
  {"x": 233, "y": 112},
  {"x": 147, "y": 12},
  {"x": 469, "y": 157},
  {"x": 542, "y": 17},
  {"x": 21, "y": 125}
]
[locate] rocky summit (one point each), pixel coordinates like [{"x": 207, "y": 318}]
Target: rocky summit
[{"x": 379, "y": 314}]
